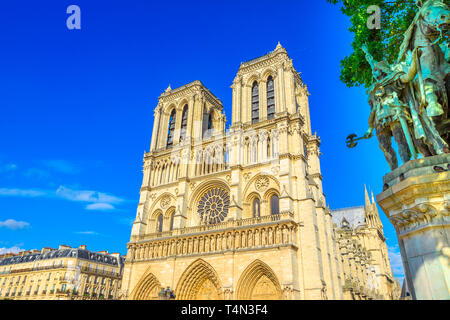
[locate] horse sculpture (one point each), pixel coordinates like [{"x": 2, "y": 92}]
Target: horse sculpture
[
  {"x": 410, "y": 99},
  {"x": 432, "y": 83}
]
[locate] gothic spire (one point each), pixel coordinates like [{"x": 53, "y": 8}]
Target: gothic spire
[{"x": 367, "y": 200}]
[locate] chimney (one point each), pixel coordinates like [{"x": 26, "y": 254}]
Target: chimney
[
  {"x": 46, "y": 249},
  {"x": 117, "y": 256},
  {"x": 103, "y": 252},
  {"x": 63, "y": 246},
  {"x": 82, "y": 247}
]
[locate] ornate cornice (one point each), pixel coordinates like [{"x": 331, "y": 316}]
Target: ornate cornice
[{"x": 194, "y": 88}]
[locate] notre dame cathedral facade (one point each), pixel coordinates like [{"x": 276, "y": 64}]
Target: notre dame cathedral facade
[{"x": 240, "y": 213}]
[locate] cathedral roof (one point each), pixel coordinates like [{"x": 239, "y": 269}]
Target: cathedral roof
[
  {"x": 170, "y": 93},
  {"x": 354, "y": 216},
  {"x": 279, "y": 48}
]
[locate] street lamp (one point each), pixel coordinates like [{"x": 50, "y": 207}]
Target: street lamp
[{"x": 166, "y": 294}]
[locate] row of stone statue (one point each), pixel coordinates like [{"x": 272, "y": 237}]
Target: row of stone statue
[
  {"x": 409, "y": 99},
  {"x": 279, "y": 235}
]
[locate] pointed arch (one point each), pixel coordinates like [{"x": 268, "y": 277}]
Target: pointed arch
[
  {"x": 171, "y": 128},
  {"x": 147, "y": 288},
  {"x": 255, "y": 102},
  {"x": 199, "y": 281},
  {"x": 208, "y": 122},
  {"x": 258, "y": 282},
  {"x": 270, "y": 89},
  {"x": 184, "y": 121}
]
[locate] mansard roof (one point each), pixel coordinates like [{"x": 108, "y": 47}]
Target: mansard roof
[{"x": 65, "y": 253}]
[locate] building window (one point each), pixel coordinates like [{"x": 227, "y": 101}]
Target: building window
[
  {"x": 207, "y": 123},
  {"x": 159, "y": 223},
  {"x": 255, "y": 102},
  {"x": 256, "y": 208},
  {"x": 171, "y": 129},
  {"x": 184, "y": 120},
  {"x": 270, "y": 98},
  {"x": 172, "y": 216},
  {"x": 274, "y": 205}
]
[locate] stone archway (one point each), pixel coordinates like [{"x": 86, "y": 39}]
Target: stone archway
[
  {"x": 147, "y": 288},
  {"x": 258, "y": 282},
  {"x": 199, "y": 282}
]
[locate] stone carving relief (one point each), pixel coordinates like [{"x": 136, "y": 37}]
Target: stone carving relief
[
  {"x": 165, "y": 202},
  {"x": 262, "y": 183}
]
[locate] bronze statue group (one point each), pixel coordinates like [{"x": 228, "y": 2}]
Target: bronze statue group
[{"x": 409, "y": 99}]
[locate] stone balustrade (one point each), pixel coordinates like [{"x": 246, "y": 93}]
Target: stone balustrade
[{"x": 266, "y": 231}]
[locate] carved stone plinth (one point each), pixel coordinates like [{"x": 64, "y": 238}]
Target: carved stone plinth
[{"x": 417, "y": 201}]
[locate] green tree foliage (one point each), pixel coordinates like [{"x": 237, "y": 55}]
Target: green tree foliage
[{"x": 396, "y": 16}]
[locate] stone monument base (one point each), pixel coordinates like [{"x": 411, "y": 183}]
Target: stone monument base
[{"x": 416, "y": 199}]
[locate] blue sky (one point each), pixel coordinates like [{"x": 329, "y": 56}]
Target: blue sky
[{"x": 76, "y": 106}]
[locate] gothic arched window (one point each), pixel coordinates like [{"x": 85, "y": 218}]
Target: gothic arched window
[
  {"x": 270, "y": 98},
  {"x": 274, "y": 204},
  {"x": 256, "y": 208},
  {"x": 207, "y": 123},
  {"x": 172, "y": 216},
  {"x": 184, "y": 120},
  {"x": 171, "y": 129},
  {"x": 159, "y": 223},
  {"x": 210, "y": 124},
  {"x": 255, "y": 102}
]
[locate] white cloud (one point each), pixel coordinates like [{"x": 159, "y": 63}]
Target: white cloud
[
  {"x": 95, "y": 200},
  {"x": 87, "y": 232},
  {"x": 21, "y": 192},
  {"x": 10, "y": 167},
  {"x": 61, "y": 166},
  {"x": 100, "y": 206},
  {"x": 86, "y": 196},
  {"x": 396, "y": 262},
  {"x": 13, "y": 249},
  {"x": 35, "y": 173},
  {"x": 13, "y": 224}
]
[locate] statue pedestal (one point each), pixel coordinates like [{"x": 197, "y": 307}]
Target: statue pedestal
[{"x": 417, "y": 203}]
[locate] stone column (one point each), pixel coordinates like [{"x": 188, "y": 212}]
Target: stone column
[
  {"x": 417, "y": 200},
  {"x": 155, "y": 134}
]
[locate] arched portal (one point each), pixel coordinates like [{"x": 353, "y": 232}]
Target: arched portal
[
  {"x": 147, "y": 288},
  {"x": 258, "y": 282},
  {"x": 199, "y": 282}
]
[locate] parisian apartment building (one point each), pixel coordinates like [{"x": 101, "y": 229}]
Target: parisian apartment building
[{"x": 65, "y": 273}]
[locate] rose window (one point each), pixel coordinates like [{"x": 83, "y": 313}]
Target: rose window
[{"x": 213, "y": 206}]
